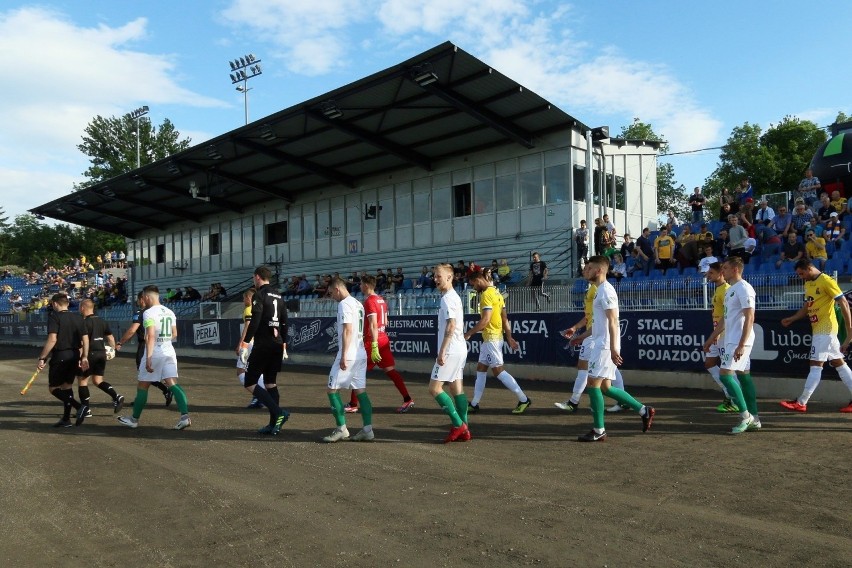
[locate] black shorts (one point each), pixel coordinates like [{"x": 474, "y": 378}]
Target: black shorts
[
  {"x": 64, "y": 367},
  {"x": 97, "y": 364},
  {"x": 264, "y": 360}
]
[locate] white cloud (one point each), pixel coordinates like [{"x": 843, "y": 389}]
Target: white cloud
[{"x": 64, "y": 75}]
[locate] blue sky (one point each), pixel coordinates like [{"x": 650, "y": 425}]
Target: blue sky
[{"x": 694, "y": 70}]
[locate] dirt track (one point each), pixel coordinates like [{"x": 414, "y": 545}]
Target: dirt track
[{"x": 521, "y": 493}]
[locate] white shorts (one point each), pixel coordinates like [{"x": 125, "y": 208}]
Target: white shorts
[
  {"x": 165, "y": 367},
  {"x": 491, "y": 353},
  {"x": 714, "y": 350},
  {"x": 586, "y": 348},
  {"x": 727, "y": 358},
  {"x": 452, "y": 369},
  {"x": 354, "y": 377},
  {"x": 600, "y": 364},
  {"x": 825, "y": 348}
]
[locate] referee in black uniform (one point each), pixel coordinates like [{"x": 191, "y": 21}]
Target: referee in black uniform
[
  {"x": 268, "y": 328},
  {"x": 67, "y": 346},
  {"x": 137, "y": 329},
  {"x": 100, "y": 335}
]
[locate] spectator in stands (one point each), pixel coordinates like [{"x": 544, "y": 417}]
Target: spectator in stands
[
  {"x": 768, "y": 239},
  {"x": 839, "y": 203},
  {"x": 646, "y": 249},
  {"x": 824, "y": 211},
  {"x": 803, "y": 218},
  {"x": 609, "y": 226},
  {"x": 636, "y": 262},
  {"x": 834, "y": 232},
  {"x": 737, "y": 236},
  {"x": 706, "y": 260},
  {"x": 808, "y": 188},
  {"x": 764, "y": 213},
  {"x": 815, "y": 249},
  {"x": 191, "y": 294},
  {"x": 600, "y": 237},
  {"x": 704, "y": 237},
  {"x": 381, "y": 281},
  {"x": 459, "y": 274},
  {"x": 398, "y": 279},
  {"x": 664, "y": 246},
  {"x": 425, "y": 279},
  {"x": 504, "y": 271},
  {"x": 687, "y": 249},
  {"x": 720, "y": 244},
  {"x": 724, "y": 212},
  {"x": 781, "y": 221},
  {"x": 304, "y": 287},
  {"x": 745, "y": 191},
  {"x": 617, "y": 268},
  {"x": 627, "y": 246},
  {"x": 791, "y": 251},
  {"x": 696, "y": 202},
  {"x": 471, "y": 268},
  {"x": 325, "y": 280},
  {"x": 353, "y": 282},
  {"x": 746, "y": 212},
  {"x": 167, "y": 297},
  {"x": 178, "y": 295},
  {"x": 672, "y": 221},
  {"x": 581, "y": 238}
]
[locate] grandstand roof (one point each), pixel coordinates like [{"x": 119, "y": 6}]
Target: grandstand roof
[{"x": 441, "y": 103}]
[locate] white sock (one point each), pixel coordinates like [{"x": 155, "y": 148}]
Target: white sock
[
  {"x": 714, "y": 372},
  {"x": 260, "y": 382},
  {"x": 512, "y": 385},
  {"x": 242, "y": 378},
  {"x": 814, "y": 375},
  {"x": 845, "y": 375},
  {"x": 618, "y": 382},
  {"x": 479, "y": 387},
  {"x": 579, "y": 385}
]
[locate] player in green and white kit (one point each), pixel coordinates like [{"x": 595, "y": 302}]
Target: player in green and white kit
[{"x": 160, "y": 363}]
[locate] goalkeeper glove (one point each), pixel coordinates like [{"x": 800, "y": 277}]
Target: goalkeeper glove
[{"x": 374, "y": 352}]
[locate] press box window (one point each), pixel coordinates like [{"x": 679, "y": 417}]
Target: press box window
[
  {"x": 213, "y": 245},
  {"x": 276, "y": 233},
  {"x": 461, "y": 200},
  {"x": 160, "y": 253}
]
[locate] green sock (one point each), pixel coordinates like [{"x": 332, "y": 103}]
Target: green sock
[
  {"x": 623, "y": 397},
  {"x": 733, "y": 386},
  {"x": 749, "y": 393},
  {"x": 180, "y": 398},
  {"x": 461, "y": 406},
  {"x": 366, "y": 408},
  {"x": 445, "y": 402},
  {"x": 337, "y": 409},
  {"x": 139, "y": 403},
  {"x": 596, "y": 401}
]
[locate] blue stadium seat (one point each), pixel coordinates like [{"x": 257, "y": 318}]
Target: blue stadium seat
[
  {"x": 690, "y": 271},
  {"x": 768, "y": 267},
  {"x": 835, "y": 265}
]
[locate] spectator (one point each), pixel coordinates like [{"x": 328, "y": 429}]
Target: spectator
[
  {"x": 696, "y": 202},
  {"x": 381, "y": 281},
  {"x": 178, "y": 295},
  {"x": 303, "y": 288},
  {"x": 504, "y": 271},
  {"x": 472, "y": 267},
  {"x": 636, "y": 262},
  {"x": 191, "y": 294},
  {"x": 725, "y": 211},
  {"x": 781, "y": 221},
  {"x": 600, "y": 237},
  {"x": 729, "y": 199},
  {"x": 672, "y": 220},
  {"x": 815, "y": 249},
  {"x": 687, "y": 250},
  {"x": 791, "y": 251},
  {"x": 747, "y": 212},
  {"x": 167, "y": 297},
  {"x": 704, "y": 236},
  {"x": 617, "y": 269},
  {"x": 745, "y": 191},
  {"x": 737, "y": 236},
  {"x": 609, "y": 226},
  {"x": 322, "y": 288},
  {"x": 834, "y": 232},
  {"x": 802, "y": 219},
  {"x": 581, "y": 238},
  {"x": 808, "y": 188},
  {"x": 720, "y": 245},
  {"x": 425, "y": 279},
  {"x": 839, "y": 203},
  {"x": 664, "y": 246},
  {"x": 824, "y": 211},
  {"x": 459, "y": 273},
  {"x": 764, "y": 213},
  {"x": 627, "y": 246},
  {"x": 646, "y": 249},
  {"x": 397, "y": 280},
  {"x": 353, "y": 282},
  {"x": 706, "y": 260}
]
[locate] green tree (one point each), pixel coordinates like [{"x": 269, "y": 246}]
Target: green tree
[
  {"x": 671, "y": 196},
  {"x": 110, "y": 144},
  {"x": 842, "y": 117}
]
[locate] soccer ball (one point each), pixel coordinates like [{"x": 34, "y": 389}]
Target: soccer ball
[{"x": 110, "y": 353}]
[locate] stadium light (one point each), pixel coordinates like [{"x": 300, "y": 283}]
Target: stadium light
[
  {"x": 239, "y": 75},
  {"x": 137, "y": 115},
  {"x": 424, "y": 74},
  {"x": 330, "y": 110}
]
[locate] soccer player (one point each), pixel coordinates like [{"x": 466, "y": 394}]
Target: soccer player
[
  {"x": 377, "y": 344},
  {"x": 452, "y": 354},
  {"x": 100, "y": 335},
  {"x": 821, "y": 295},
  {"x": 139, "y": 331},
  {"x": 349, "y": 370},
  {"x": 268, "y": 328},
  {"x": 243, "y": 354},
  {"x": 67, "y": 345},
  {"x": 160, "y": 364},
  {"x": 586, "y": 344},
  {"x": 493, "y": 323},
  {"x": 738, "y": 327},
  {"x": 711, "y": 361},
  {"x": 605, "y": 354}
]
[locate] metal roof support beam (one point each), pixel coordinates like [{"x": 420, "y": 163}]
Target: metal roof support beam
[
  {"x": 271, "y": 191},
  {"x": 158, "y": 207},
  {"x": 120, "y": 217},
  {"x": 379, "y": 142},
  {"x": 214, "y": 201},
  {"x": 481, "y": 114},
  {"x": 323, "y": 172}
]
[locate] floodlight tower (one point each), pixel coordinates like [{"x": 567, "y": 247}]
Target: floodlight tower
[
  {"x": 239, "y": 75},
  {"x": 137, "y": 115}
]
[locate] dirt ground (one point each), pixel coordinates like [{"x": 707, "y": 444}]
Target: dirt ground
[{"x": 522, "y": 492}]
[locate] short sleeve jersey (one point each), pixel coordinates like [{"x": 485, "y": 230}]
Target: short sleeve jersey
[
  {"x": 588, "y": 301},
  {"x": 665, "y": 246},
  {"x": 451, "y": 308},
  {"x": 350, "y": 311},
  {"x": 605, "y": 299},
  {"x": 161, "y": 319},
  {"x": 537, "y": 270},
  {"x": 492, "y": 300},
  {"x": 97, "y": 330},
  {"x": 820, "y": 294},
  {"x": 816, "y": 248},
  {"x": 268, "y": 323},
  {"x": 375, "y": 305},
  {"x": 719, "y": 303},
  {"x": 69, "y": 330},
  {"x": 738, "y": 298}
]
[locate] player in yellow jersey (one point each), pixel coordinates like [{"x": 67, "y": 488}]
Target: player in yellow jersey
[
  {"x": 711, "y": 361},
  {"x": 821, "y": 294},
  {"x": 493, "y": 323},
  {"x": 244, "y": 352}
]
